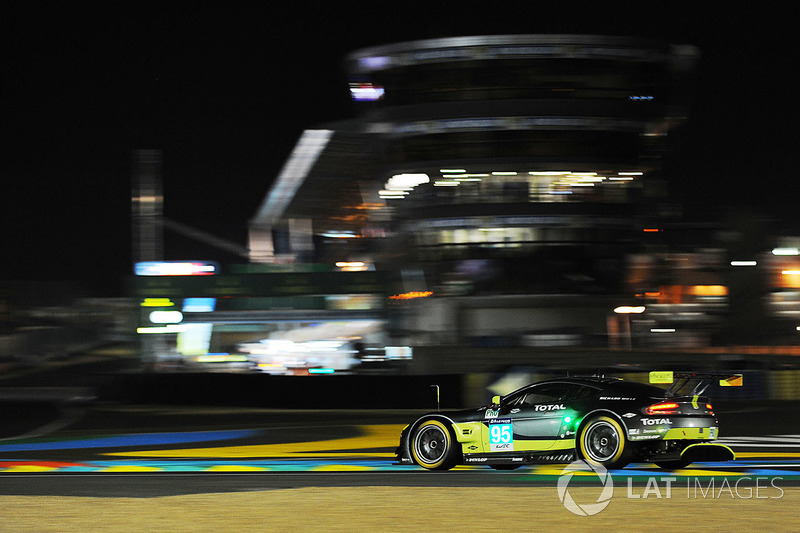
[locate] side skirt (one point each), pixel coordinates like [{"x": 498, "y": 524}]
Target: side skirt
[{"x": 558, "y": 456}]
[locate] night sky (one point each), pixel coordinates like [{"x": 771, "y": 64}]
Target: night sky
[{"x": 225, "y": 90}]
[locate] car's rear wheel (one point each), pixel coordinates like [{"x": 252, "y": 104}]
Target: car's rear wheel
[
  {"x": 433, "y": 446},
  {"x": 602, "y": 442}
]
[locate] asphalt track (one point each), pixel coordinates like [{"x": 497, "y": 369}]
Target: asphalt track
[{"x": 151, "y": 451}]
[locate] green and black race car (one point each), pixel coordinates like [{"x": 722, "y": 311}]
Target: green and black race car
[{"x": 604, "y": 421}]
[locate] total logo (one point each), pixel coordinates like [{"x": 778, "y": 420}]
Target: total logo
[
  {"x": 656, "y": 421},
  {"x": 555, "y": 407},
  {"x": 585, "y": 509}
]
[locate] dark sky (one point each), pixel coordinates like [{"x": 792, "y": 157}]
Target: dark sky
[{"x": 225, "y": 89}]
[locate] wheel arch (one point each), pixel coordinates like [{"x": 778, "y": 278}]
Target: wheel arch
[
  {"x": 449, "y": 422},
  {"x": 592, "y": 414},
  {"x": 600, "y": 412}
]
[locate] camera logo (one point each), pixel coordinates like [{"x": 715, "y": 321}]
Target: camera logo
[{"x": 586, "y": 509}]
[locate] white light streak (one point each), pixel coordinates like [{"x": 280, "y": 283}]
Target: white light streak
[
  {"x": 786, "y": 251},
  {"x": 550, "y": 173},
  {"x": 166, "y": 317},
  {"x": 627, "y": 309}
]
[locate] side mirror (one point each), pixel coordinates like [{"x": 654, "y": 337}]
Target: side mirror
[{"x": 495, "y": 400}]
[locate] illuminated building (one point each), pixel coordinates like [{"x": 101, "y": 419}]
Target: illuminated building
[{"x": 508, "y": 175}]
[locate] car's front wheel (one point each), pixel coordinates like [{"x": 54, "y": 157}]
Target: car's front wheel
[
  {"x": 433, "y": 446},
  {"x": 602, "y": 442}
]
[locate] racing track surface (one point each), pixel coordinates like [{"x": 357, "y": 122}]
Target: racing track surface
[
  {"x": 116, "y": 468},
  {"x": 156, "y": 451}
]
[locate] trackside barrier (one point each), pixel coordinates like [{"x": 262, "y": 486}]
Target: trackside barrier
[
  {"x": 755, "y": 387},
  {"x": 381, "y": 392},
  {"x": 639, "y": 377},
  {"x": 785, "y": 384},
  {"x": 285, "y": 392}
]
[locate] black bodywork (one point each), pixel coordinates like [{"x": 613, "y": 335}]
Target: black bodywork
[{"x": 605, "y": 421}]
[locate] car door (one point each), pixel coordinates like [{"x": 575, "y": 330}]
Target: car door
[{"x": 536, "y": 416}]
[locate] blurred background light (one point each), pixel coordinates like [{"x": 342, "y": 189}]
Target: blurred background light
[
  {"x": 406, "y": 181},
  {"x": 352, "y": 266},
  {"x": 175, "y": 268},
  {"x": 627, "y": 309},
  {"x": 366, "y": 92},
  {"x": 340, "y": 235},
  {"x": 166, "y": 317},
  {"x": 170, "y": 328},
  {"x": 374, "y": 63},
  {"x": 157, "y": 302},
  {"x": 199, "y": 305}
]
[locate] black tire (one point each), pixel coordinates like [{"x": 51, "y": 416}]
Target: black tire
[
  {"x": 673, "y": 465},
  {"x": 602, "y": 442},
  {"x": 433, "y": 446}
]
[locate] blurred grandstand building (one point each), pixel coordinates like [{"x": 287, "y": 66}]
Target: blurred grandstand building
[{"x": 500, "y": 183}]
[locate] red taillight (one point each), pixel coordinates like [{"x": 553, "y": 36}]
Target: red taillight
[
  {"x": 664, "y": 408},
  {"x": 710, "y": 409}
]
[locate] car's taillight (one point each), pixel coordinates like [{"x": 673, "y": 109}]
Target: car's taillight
[
  {"x": 710, "y": 409},
  {"x": 663, "y": 408}
]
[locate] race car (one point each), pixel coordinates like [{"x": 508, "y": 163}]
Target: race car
[{"x": 604, "y": 421}]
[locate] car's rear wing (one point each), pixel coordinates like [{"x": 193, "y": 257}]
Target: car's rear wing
[{"x": 680, "y": 379}]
